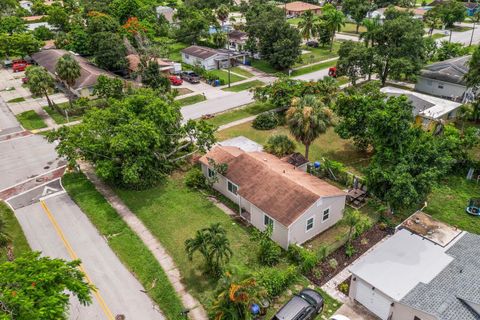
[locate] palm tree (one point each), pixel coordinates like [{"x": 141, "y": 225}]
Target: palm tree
[
  {"x": 307, "y": 24},
  {"x": 307, "y": 118},
  {"x": 335, "y": 20},
  {"x": 213, "y": 245},
  {"x": 68, "y": 70},
  {"x": 40, "y": 82},
  {"x": 372, "y": 26},
  {"x": 222, "y": 13}
]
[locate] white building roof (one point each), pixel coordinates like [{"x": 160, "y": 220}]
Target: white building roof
[
  {"x": 425, "y": 105},
  {"x": 399, "y": 264}
]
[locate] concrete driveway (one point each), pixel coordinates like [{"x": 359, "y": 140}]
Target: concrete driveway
[
  {"x": 58, "y": 228},
  {"x": 355, "y": 311}
]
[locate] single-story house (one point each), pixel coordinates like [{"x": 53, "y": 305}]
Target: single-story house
[
  {"x": 166, "y": 66},
  {"x": 426, "y": 108},
  {"x": 379, "y": 13},
  {"x": 270, "y": 191},
  {"x": 445, "y": 78},
  {"x": 210, "y": 58},
  {"x": 166, "y": 12},
  {"x": 25, "y": 4},
  {"x": 89, "y": 73},
  {"x": 237, "y": 40},
  {"x": 296, "y": 8},
  {"x": 426, "y": 271}
]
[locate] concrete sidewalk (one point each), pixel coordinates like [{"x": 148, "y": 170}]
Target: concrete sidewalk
[{"x": 196, "y": 310}]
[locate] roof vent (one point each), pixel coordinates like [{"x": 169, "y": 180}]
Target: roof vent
[{"x": 265, "y": 159}]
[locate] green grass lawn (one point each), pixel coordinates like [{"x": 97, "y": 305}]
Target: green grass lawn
[
  {"x": 459, "y": 28},
  {"x": 352, "y": 28},
  {"x": 237, "y": 114},
  {"x": 60, "y": 118},
  {"x": 448, "y": 202},
  {"x": 313, "y": 68},
  {"x": 30, "y": 120},
  {"x": 294, "y": 21},
  {"x": 14, "y": 231},
  {"x": 245, "y": 86},
  {"x": 328, "y": 145},
  {"x": 318, "y": 54},
  {"x": 264, "y": 66},
  {"x": 125, "y": 243},
  {"x": 15, "y": 100},
  {"x": 191, "y": 100},
  {"x": 242, "y": 72},
  {"x": 223, "y": 75},
  {"x": 438, "y": 36}
]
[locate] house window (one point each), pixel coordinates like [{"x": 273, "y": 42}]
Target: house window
[
  {"x": 416, "y": 318},
  {"x": 310, "y": 223},
  {"x": 187, "y": 56},
  {"x": 233, "y": 188},
  {"x": 267, "y": 221},
  {"x": 440, "y": 86},
  {"x": 326, "y": 214},
  {"x": 211, "y": 173}
]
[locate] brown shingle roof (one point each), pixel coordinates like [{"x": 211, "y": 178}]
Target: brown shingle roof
[
  {"x": 89, "y": 73},
  {"x": 299, "y": 6},
  {"x": 272, "y": 185},
  {"x": 200, "y": 52},
  {"x": 134, "y": 61}
]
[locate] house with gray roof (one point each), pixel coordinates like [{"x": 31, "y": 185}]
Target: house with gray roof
[
  {"x": 444, "y": 78},
  {"x": 209, "y": 58},
  {"x": 426, "y": 271}
]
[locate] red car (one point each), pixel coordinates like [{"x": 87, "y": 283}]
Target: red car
[
  {"x": 19, "y": 66},
  {"x": 174, "y": 80},
  {"x": 332, "y": 72}
]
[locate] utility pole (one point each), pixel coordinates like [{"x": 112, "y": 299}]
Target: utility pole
[
  {"x": 229, "y": 67},
  {"x": 473, "y": 31}
]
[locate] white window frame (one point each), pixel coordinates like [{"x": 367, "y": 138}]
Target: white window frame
[
  {"x": 233, "y": 184},
  {"x": 270, "y": 221},
  {"x": 313, "y": 224},
  {"x": 211, "y": 172},
  {"x": 323, "y": 214}
]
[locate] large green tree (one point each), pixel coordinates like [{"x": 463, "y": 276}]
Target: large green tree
[
  {"x": 473, "y": 75},
  {"x": 451, "y": 11},
  {"x": 108, "y": 87},
  {"x": 193, "y": 23},
  {"x": 109, "y": 51},
  {"x": 40, "y": 82},
  {"x": 334, "y": 21},
  {"x": 152, "y": 77},
  {"x": 307, "y": 118},
  {"x": 136, "y": 141},
  {"x": 355, "y": 60},
  {"x": 68, "y": 70},
  {"x": 212, "y": 243},
  {"x": 39, "y": 288},
  {"x": 357, "y": 10},
  {"x": 307, "y": 24},
  {"x": 18, "y": 44}
]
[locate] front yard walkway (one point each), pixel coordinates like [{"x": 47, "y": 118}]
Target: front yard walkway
[{"x": 196, "y": 310}]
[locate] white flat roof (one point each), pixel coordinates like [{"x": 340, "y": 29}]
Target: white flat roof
[
  {"x": 440, "y": 108},
  {"x": 405, "y": 259},
  {"x": 243, "y": 143}
]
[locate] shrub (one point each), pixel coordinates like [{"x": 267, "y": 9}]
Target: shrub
[
  {"x": 333, "y": 263},
  {"x": 276, "y": 280},
  {"x": 280, "y": 145},
  {"x": 305, "y": 259},
  {"x": 266, "y": 121},
  {"x": 195, "y": 179},
  {"x": 349, "y": 250},
  {"x": 322, "y": 252},
  {"x": 344, "y": 287},
  {"x": 269, "y": 252}
]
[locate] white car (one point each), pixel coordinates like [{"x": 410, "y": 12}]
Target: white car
[{"x": 339, "y": 317}]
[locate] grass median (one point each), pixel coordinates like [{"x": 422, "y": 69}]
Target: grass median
[
  {"x": 191, "y": 100},
  {"x": 244, "y": 86},
  {"x": 30, "y": 120},
  {"x": 14, "y": 232},
  {"x": 125, "y": 243}
]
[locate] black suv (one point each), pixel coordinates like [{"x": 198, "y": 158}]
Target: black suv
[
  {"x": 190, "y": 76},
  {"x": 303, "y": 306}
]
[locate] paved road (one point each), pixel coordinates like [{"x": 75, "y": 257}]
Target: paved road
[
  {"x": 313, "y": 76},
  {"x": 58, "y": 228}
]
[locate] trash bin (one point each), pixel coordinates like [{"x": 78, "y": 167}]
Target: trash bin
[{"x": 217, "y": 83}]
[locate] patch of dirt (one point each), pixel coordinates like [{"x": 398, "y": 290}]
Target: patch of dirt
[{"x": 324, "y": 271}]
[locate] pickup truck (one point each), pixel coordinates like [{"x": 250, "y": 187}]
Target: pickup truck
[{"x": 190, "y": 76}]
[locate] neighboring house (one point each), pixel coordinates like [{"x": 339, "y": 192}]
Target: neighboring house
[
  {"x": 25, "y": 4},
  {"x": 33, "y": 26},
  {"x": 379, "y": 13},
  {"x": 210, "y": 58},
  {"x": 237, "y": 40},
  {"x": 426, "y": 271},
  {"x": 166, "y": 66},
  {"x": 296, "y": 8},
  {"x": 167, "y": 12},
  {"x": 445, "y": 78},
  {"x": 89, "y": 73},
  {"x": 270, "y": 191},
  {"x": 426, "y": 109}
]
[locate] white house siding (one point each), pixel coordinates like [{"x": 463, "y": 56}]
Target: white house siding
[
  {"x": 207, "y": 64},
  {"x": 402, "y": 312},
  {"x": 434, "y": 88},
  {"x": 298, "y": 233}
]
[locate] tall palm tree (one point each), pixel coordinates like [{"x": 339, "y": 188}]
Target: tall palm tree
[
  {"x": 40, "y": 82},
  {"x": 212, "y": 243},
  {"x": 372, "y": 26},
  {"x": 68, "y": 70},
  {"x": 335, "y": 20},
  {"x": 307, "y": 24},
  {"x": 222, "y": 13},
  {"x": 307, "y": 118}
]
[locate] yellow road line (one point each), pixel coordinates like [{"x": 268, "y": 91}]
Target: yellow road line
[{"x": 74, "y": 256}]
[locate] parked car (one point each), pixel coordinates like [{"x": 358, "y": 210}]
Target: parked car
[
  {"x": 332, "y": 72},
  {"x": 303, "y": 306},
  {"x": 312, "y": 43},
  {"x": 175, "y": 80},
  {"x": 19, "y": 66},
  {"x": 190, "y": 76}
]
